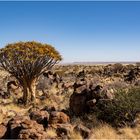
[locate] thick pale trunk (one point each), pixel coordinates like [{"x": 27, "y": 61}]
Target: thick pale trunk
[
  {"x": 29, "y": 92},
  {"x": 32, "y": 89}
]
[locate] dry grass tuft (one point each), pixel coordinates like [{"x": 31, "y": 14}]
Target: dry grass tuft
[
  {"x": 75, "y": 136},
  {"x": 104, "y": 131},
  {"x": 130, "y": 133},
  {"x": 51, "y": 133}
]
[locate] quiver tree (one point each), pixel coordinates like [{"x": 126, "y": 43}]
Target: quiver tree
[{"x": 26, "y": 61}]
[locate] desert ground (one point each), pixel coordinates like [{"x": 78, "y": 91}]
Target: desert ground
[{"x": 74, "y": 102}]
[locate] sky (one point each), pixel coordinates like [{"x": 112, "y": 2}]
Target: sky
[{"x": 81, "y": 31}]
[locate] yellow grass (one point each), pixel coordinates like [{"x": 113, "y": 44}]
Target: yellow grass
[
  {"x": 75, "y": 136},
  {"x": 131, "y": 133},
  {"x": 105, "y": 131},
  {"x": 51, "y": 133},
  {"x": 8, "y": 111}
]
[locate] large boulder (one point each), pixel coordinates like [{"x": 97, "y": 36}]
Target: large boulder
[
  {"x": 79, "y": 98},
  {"x": 14, "y": 127},
  {"x": 85, "y": 98},
  {"x": 21, "y": 127},
  {"x": 78, "y": 103}
]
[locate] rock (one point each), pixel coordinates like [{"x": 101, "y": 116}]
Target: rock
[
  {"x": 137, "y": 83},
  {"x": 4, "y": 95},
  {"x": 131, "y": 76},
  {"x": 64, "y": 130},
  {"x": 41, "y": 117},
  {"x": 32, "y": 134},
  {"x": 80, "y": 89},
  {"x": 81, "y": 73},
  {"x": 14, "y": 126},
  {"x": 3, "y": 130},
  {"x": 33, "y": 108},
  {"x": 67, "y": 85},
  {"x": 91, "y": 103},
  {"x": 78, "y": 103},
  {"x": 49, "y": 109},
  {"x": 84, "y": 131},
  {"x": 58, "y": 117},
  {"x": 79, "y": 84},
  {"x": 20, "y": 124},
  {"x": 109, "y": 95},
  {"x": 80, "y": 100}
]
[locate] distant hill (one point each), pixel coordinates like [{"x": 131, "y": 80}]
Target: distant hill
[{"x": 97, "y": 63}]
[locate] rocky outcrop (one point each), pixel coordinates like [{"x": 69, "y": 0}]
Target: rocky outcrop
[
  {"x": 21, "y": 127},
  {"x": 85, "y": 98},
  {"x": 35, "y": 125}
]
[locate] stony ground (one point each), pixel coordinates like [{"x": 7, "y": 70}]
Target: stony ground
[{"x": 66, "y": 101}]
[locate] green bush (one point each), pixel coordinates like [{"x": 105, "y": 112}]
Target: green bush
[{"x": 122, "y": 110}]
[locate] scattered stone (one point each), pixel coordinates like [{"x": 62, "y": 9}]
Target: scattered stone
[
  {"x": 32, "y": 134},
  {"x": 3, "y": 130},
  {"x": 58, "y": 117},
  {"x": 91, "y": 103},
  {"x": 64, "y": 130}
]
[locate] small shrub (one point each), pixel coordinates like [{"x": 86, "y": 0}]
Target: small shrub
[{"x": 122, "y": 110}]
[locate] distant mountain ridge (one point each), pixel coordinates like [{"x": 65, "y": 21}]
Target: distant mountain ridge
[{"x": 99, "y": 63}]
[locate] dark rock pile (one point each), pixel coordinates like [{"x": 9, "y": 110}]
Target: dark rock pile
[
  {"x": 38, "y": 122},
  {"x": 84, "y": 97}
]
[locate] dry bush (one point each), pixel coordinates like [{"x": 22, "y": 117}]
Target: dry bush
[{"x": 122, "y": 110}]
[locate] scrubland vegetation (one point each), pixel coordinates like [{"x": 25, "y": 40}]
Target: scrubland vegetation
[{"x": 66, "y": 102}]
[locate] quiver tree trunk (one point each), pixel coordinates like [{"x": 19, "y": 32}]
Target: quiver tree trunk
[
  {"x": 29, "y": 92},
  {"x": 32, "y": 89},
  {"x": 25, "y": 94}
]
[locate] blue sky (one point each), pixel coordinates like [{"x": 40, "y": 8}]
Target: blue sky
[{"x": 80, "y": 31}]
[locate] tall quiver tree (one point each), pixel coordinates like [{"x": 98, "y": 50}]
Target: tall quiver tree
[{"x": 26, "y": 61}]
